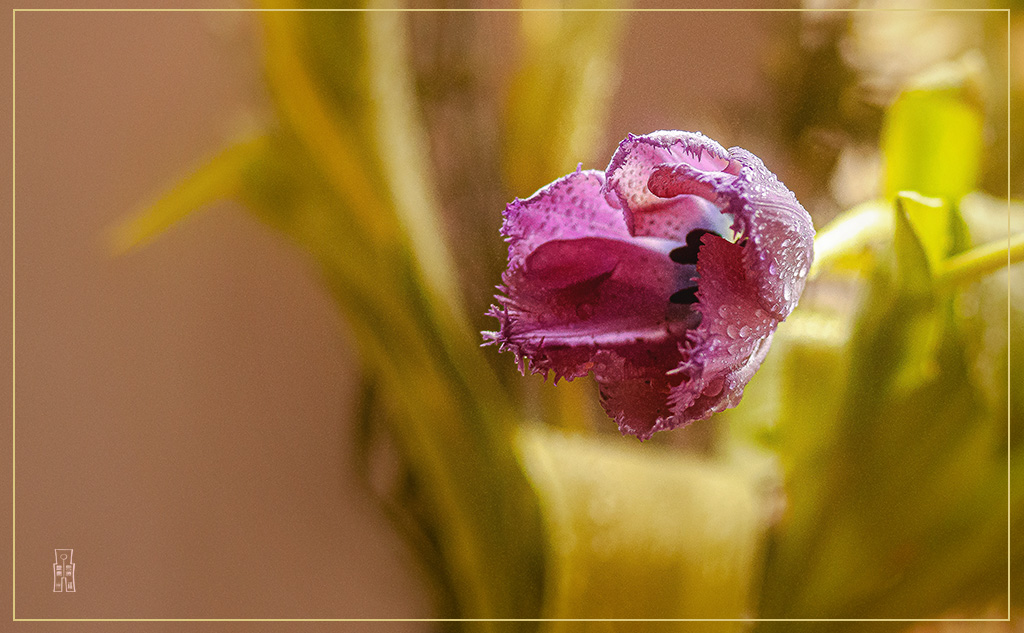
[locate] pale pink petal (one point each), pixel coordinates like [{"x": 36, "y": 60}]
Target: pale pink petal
[
  {"x": 647, "y": 214},
  {"x": 774, "y": 227},
  {"x": 780, "y": 232}
]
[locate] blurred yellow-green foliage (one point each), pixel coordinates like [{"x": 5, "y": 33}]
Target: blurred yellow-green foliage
[{"x": 865, "y": 474}]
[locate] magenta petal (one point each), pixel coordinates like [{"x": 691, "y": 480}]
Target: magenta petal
[
  {"x": 572, "y": 206},
  {"x": 781, "y": 234},
  {"x": 723, "y": 353},
  {"x": 636, "y": 391},
  {"x": 571, "y": 298}
]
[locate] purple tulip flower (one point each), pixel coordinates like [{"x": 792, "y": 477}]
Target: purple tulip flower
[{"x": 665, "y": 277}]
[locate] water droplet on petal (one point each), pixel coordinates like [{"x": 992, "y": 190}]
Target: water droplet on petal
[{"x": 714, "y": 387}]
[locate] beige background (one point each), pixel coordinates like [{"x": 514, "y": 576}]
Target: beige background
[{"x": 182, "y": 411}]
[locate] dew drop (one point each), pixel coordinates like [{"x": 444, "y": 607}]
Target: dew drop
[{"x": 714, "y": 387}]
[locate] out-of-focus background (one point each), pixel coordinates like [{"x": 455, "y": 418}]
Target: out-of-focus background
[{"x": 182, "y": 411}]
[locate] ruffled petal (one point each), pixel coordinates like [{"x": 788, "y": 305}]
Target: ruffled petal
[
  {"x": 780, "y": 234},
  {"x": 569, "y": 299},
  {"x": 572, "y": 206},
  {"x": 775, "y": 228},
  {"x": 636, "y": 390},
  {"x": 670, "y": 217},
  {"x": 721, "y": 355}
]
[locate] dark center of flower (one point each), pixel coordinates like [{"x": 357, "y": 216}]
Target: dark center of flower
[
  {"x": 684, "y": 296},
  {"x": 688, "y": 255}
]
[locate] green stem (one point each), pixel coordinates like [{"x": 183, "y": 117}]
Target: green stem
[
  {"x": 980, "y": 261},
  {"x": 870, "y": 223}
]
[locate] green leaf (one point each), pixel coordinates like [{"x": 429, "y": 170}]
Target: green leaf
[
  {"x": 403, "y": 146},
  {"x": 932, "y": 135},
  {"x": 336, "y": 139},
  {"x": 845, "y": 242},
  {"x": 643, "y": 532},
  {"x": 1000, "y": 232},
  {"x": 320, "y": 180},
  {"x": 912, "y": 271},
  {"x": 445, "y": 408},
  {"x": 932, "y": 222},
  {"x": 558, "y": 98},
  {"x": 897, "y": 487},
  {"x": 218, "y": 179}
]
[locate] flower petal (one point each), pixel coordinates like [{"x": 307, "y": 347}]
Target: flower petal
[
  {"x": 572, "y": 206},
  {"x": 636, "y": 391},
  {"x": 778, "y": 231},
  {"x": 568, "y": 299},
  {"x": 720, "y": 356},
  {"x": 647, "y": 214}
]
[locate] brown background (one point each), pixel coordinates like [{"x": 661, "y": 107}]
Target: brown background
[{"x": 182, "y": 411}]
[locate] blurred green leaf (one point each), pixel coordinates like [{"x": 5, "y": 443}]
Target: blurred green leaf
[
  {"x": 643, "y": 532},
  {"x": 851, "y": 243},
  {"x": 931, "y": 221},
  {"x": 932, "y": 135},
  {"x": 845, "y": 243},
  {"x": 218, "y": 179},
  {"x": 395, "y": 488},
  {"x": 373, "y": 233},
  {"x": 912, "y": 271},
  {"x": 558, "y": 98},
  {"x": 448, "y": 418},
  {"x": 897, "y": 488},
  {"x": 403, "y": 147},
  {"x": 337, "y": 143}
]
